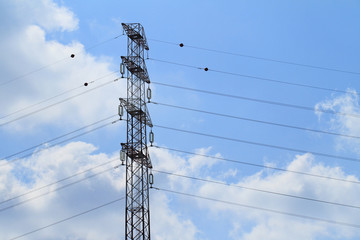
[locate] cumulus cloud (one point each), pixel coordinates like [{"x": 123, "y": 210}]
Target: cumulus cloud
[
  {"x": 25, "y": 47},
  {"x": 44, "y": 13},
  {"x": 347, "y": 123},
  {"x": 170, "y": 213},
  {"x": 250, "y": 224},
  {"x": 167, "y": 224},
  {"x": 50, "y": 165}
]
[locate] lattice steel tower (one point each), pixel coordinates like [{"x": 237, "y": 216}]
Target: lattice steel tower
[{"x": 135, "y": 151}]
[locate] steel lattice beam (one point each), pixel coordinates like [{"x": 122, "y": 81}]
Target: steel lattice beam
[{"x": 137, "y": 212}]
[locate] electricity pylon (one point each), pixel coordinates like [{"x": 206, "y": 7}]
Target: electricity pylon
[{"x": 135, "y": 151}]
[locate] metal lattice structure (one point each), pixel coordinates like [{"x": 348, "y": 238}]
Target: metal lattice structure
[{"x": 138, "y": 163}]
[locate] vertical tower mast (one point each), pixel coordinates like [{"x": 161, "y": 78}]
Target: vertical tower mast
[{"x": 137, "y": 212}]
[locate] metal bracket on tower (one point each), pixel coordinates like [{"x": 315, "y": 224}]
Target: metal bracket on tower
[
  {"x": 136, "y": 33},
  {"x": 134, "y": 111},
  {"x": 137, "y": 155},
  {"x": 138, "y": 70}
]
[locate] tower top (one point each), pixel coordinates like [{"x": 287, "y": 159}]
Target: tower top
[{"x": 136, "y": 32}]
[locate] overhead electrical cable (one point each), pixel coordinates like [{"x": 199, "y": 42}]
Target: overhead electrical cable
[
  {"x": 252, "y": 77},
  {"x": 103, "y": 42},
  {"x": 59, "y": 102},
  {"x": 258, "y": 100},
  {"x": 58, "y": 181},
  {"x": 171, "y": 191},
  {"x": 257, "y": 58},
  {"x": 56, "y": 138},
  {"x": 33, "y": 71},
  {"x": 259, "y": 165},
  {"x": 258, "y": 190},
  {"x": 58, "y": 95},
  {"x": 57, "y": 61},
  {"x": 357, "y": 160},
  {"x": 67, "y": 219},
  {"x": 56, "y": 144},
  {"x": 260, "y": 208},
  {"x": 254, "y": 120},
  {"x": 55, "y": 190}
]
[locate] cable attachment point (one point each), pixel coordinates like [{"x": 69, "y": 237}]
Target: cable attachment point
[
  {"x": 151, "y": 179},
  {"x": 122, "y": 157},
  {"x": 181, "y": 44},
  {"x": 148, "y": 93},
  {"x": 151, "y": 138},
  {"x": 121, "y": 111},
  {"x": 122, "y": 69}
]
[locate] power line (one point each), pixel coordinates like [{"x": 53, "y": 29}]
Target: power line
[
  {"x": 259, "y": 165},
  {"x": 66, "y": 140},
  {"x": 261, "y": 144},
  {"x": 58, "y": 95},
  {"x": 257, "y": 100},
  {"x": 261, "y": 208},
  {"x": 57, "y": 61},
  {"x": 58, "y": 181},
  {"x": 252, "y": 77},
  {"x": 200, "y": 197},
  {"x": 59, "y": 102},
  {"x": 258, "y": 58},
  {"x": 33, "y": 71},
  {"x": 254, "y": 120},
  {"x": 103, "y": 42},
  {"x": 54, "y": 190},
  {"x": 58, "y": 137},
  {"x": 258, "y": 190},
  {"x": 67, "y": 219}
]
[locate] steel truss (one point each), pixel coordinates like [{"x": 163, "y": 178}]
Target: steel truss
[{"x": 138, "y": 163}]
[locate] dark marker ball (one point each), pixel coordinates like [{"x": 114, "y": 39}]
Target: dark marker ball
[
  {"x": 206, "y": 69},
  {"x": 72, "y": 55},
  {"x": 85, "y": 84},
  {"x": 181, "y": 44}
]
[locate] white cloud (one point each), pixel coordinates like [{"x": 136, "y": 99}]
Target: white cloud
[
  {"x": 50, "y": 165},
  {"x": 168, "y": 161},
  {"x": 27, "y": 48},
  {"x": 44, "y": 13},
  {"x": 164, "y": 160},
  {"x": 348, "y": 123},
  {"x": 170, "y": 218},
  {"x": 167, "y": 224},
  {"x": 251, "y": 224},
  {"x": 274, "y": 226}
]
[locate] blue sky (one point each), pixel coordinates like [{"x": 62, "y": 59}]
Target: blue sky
[{"x": 317, "y": 33}]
